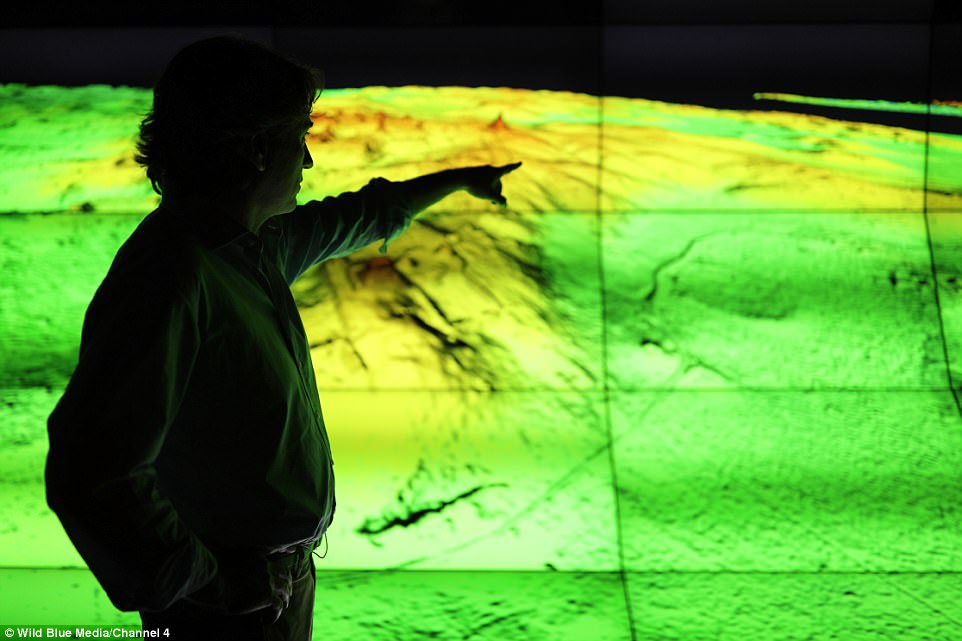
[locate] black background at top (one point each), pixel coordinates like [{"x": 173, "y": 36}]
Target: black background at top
[
  {"x": 323, "y": 13},
  {"x": 709, "y": 52}
]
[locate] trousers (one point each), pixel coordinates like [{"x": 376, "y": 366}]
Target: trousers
[{"x": 190, "y": 622}]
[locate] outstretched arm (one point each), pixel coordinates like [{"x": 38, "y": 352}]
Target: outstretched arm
[{"x": 383, "y": 209}]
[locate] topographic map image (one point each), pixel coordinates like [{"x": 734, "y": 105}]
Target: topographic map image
[{"x": 696, "y": 340}]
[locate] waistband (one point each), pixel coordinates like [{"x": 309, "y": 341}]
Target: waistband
[{"x": 301, "y": 550}]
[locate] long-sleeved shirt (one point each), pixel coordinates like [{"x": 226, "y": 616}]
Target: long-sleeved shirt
[{"x": 192, "y": 421}]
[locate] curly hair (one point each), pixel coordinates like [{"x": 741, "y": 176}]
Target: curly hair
[{"x": 212, "y": 99}]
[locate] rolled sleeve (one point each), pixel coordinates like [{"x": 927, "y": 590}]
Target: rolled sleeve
[
  {"x": 139, "y": 344},
  {"x": 340, "y": 225}
]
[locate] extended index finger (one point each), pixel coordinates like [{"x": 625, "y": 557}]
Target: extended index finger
[{"x": 504, "y": 169}]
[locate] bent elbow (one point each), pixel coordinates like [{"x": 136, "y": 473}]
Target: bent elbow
[
  {"x": 58, "y": 498},
  {"x": 62, "y": 486}
]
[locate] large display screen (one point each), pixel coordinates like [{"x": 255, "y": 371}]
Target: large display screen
[{"x": 716, "y": 330}]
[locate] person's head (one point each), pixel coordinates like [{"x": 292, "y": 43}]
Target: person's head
[{"x": 226, "y": 110}]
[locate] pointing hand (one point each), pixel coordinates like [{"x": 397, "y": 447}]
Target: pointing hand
[{"x": 485, "y": 182}]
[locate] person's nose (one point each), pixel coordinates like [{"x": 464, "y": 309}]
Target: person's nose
[{"x": 308, "y": 160}]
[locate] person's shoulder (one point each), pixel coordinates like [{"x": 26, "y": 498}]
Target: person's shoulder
[{"x": 161, "y": 253}]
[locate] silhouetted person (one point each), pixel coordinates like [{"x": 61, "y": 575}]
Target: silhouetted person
[{"x": 189, "y": 462}]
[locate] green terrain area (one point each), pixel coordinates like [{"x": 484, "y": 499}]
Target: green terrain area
[{"x": 700, "y": 378}]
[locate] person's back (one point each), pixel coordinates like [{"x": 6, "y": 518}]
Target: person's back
[{"x": 245, "y": 458}]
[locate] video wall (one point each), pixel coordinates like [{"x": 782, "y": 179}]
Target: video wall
[{"x": 724, "y": 290}]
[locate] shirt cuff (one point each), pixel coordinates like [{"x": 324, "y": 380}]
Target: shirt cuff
[
  {"x": 398, "y": 214},
  {"x": 399, "y": 228}
]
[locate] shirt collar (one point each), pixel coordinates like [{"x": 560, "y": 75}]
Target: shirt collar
[{"x": 216, "y": 230}]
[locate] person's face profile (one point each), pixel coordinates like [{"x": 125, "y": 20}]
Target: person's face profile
[{"x": 284, "y": 171}]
